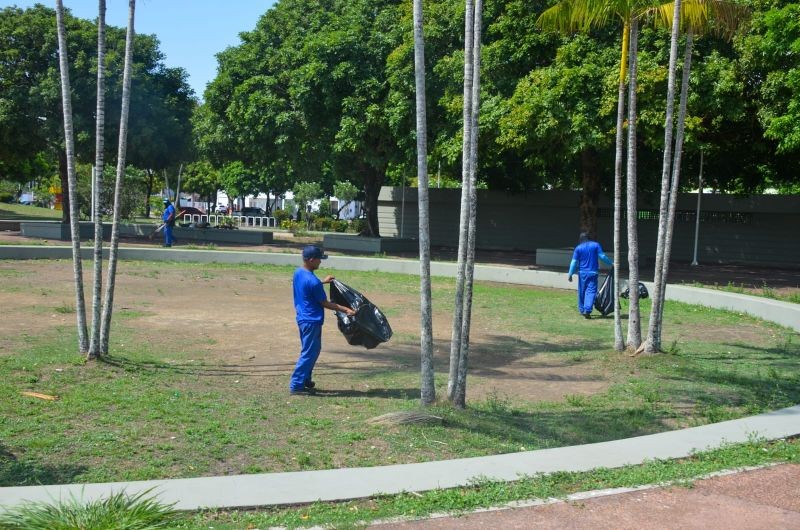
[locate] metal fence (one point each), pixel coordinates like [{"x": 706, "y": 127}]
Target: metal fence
[{"x": 238, "y": 220}]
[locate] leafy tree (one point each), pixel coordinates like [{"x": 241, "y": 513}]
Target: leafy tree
[
  {"x": 30, "y": 106},
  {"x": 238, "y": 180},
  {"x": 772, "y": 50},
  {"x": 305, "y": 193},
  {"x": 346, "y": 192},
  {"x": 201, "y": 177},
  {"x": 304, "y": 95}
]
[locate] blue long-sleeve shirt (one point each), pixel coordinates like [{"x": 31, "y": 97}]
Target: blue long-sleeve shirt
[{"x": 585, "y": 258}]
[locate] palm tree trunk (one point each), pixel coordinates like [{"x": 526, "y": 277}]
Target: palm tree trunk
[
  {"x": 460, "y": 394},
  {"x": 590, "y": 193},
  {"x": 654, "y": 325},
  {"x": 458, "y": 309},
  {"x": 69, "y": 144},
  {"x": 634, "y": 323},
  {"x": 676, "y": 175},
  {"x": 619, "y": 343},
  {"x": 178, "y": 192},
  {"x": 427, "y": 388},
  {"x": 99, "y": 163},
  {"x": 108, "y": 303},
  {"x": 149, "y": 192}
]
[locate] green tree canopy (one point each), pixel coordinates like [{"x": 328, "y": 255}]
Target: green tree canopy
[{"x": 31, "y": 128}]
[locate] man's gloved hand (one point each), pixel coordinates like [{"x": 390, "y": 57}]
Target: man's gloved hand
[{"x": 569, "y": 278}]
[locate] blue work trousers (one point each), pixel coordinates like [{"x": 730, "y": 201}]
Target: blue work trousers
[
  {"x": 587, "y": 291},
  {"x": 310, "y": 346},
  {"x": 168, "y": 235}
]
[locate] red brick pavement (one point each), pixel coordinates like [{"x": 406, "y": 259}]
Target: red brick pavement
[{"x": 767, "y": 498}]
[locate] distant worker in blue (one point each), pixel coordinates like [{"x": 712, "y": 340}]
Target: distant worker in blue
[
  {"x": 309, "y": 301},
  {"x": 584, "y": 262},
  {"x": 169, "y": 221}
]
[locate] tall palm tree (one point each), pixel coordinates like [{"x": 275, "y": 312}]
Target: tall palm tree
[
  {"x": 652, "y": 344},
  {"x": 619, "y": 343},
  {"x": 460, "y": 393},
  {"x": 583, "y": 15},
  {"x": 69, "y": 145},
  {"x": 108, "y": 302},
  {"x": 458, "y": 308},
  {"x": 696, "y": 16},
  {"x": 94, "y": 343},
  {"x": 427, "y": 388},
  {"x": 634, "y": 322}
]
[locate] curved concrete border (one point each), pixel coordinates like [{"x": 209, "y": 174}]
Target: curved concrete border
[
  {"x": 783, "y": 313},
  {"x": 298, "y": 487},
  {"x": 341, "y": 484}
]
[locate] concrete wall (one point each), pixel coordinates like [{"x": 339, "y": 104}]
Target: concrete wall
[{"x": 756, "y": 230}]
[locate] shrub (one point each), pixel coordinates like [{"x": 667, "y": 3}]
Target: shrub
[
  {"x": 357, "y": 226},
  {"x": 6, "y": 197},
  {"x": 281, "y": 216}
]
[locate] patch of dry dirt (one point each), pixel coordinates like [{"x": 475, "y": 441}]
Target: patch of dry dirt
[{"x": 242, "y": 322}]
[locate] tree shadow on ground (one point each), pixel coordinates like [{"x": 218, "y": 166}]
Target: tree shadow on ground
[
  {"x": 494, "y": 353},
  {"x": 20, "y": 472},
  {"x": 725, "y": 387},
  {"x": 381, "y": 393},
  {"x": 281, "y": 369},
  {"x": 539, "y": 430},
  {"x": 487, "y": 358}
]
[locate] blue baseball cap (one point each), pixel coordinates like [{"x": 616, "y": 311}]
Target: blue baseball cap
[{"x": 312, "y": 252}]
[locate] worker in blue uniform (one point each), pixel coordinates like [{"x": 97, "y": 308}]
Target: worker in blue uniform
[
  {"x": 585, "y": 263},
  {"x": 309, "y": 301},
  {"x": 168, "y": 216}
]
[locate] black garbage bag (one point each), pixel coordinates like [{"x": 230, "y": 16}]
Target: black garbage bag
[
  {"x": 604, "y": 302},
  {"x": 368, "y": 327},
  {"x": 643, "y": 292}
]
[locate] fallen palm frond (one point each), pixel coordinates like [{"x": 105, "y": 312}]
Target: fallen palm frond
[
  {"x": 406, "y": 418},
  {"x": 39, "y": 396}
]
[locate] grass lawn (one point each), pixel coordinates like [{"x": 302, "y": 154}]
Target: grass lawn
[
  {"x": 196, "y": 384},
  {"x": 20, "y": 211}
]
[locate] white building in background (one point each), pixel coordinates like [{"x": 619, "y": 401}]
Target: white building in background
[{"x": 352, "y": 210}]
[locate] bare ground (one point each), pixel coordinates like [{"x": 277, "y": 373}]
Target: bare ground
[
  {"x": 244, "y": 323},
  {"x": 241, "y": 323}
]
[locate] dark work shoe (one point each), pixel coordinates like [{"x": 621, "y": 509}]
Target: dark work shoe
[
  {"x": 302, "y": 392},
  {"x": 309, "y": 384},
  {"x": 587, "y": 316}
]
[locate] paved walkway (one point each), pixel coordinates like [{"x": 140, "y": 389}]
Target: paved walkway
[{"x": 762, "y": 498}]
